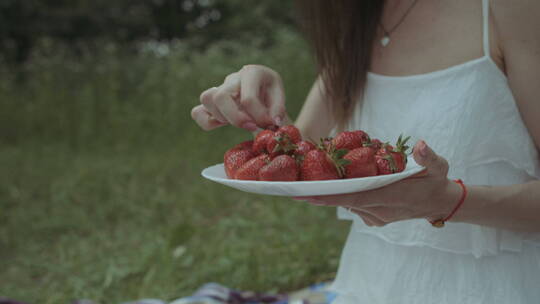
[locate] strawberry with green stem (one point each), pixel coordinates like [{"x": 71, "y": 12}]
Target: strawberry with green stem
[
  {"x": 374, "y": 144},
  {"x": 392, "y": 160},
  {"x": 325, "y": 162},
  {"x": 284, "y": 141},
  {"x": 261, "y": 141}
]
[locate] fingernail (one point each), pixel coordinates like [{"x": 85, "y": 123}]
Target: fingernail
[
  {"x": 278, "y": 120},
  {"x": 249, "y": 126},
  {"x": 423, "y": 149}
]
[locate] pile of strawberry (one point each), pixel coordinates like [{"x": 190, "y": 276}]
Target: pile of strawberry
[{"x": 282, "y": 155}]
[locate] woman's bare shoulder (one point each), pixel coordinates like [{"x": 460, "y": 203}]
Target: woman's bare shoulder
[
  {"x": 518, "y": 29},
  {"x": 517, "y": 21}
]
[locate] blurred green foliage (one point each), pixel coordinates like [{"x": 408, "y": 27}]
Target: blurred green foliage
[
  {"x": 89, "y": 24},
  {"x": 112, "y": 97},
  {"x": 100, "y": 188}
]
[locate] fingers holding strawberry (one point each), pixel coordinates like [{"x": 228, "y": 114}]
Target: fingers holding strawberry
[{"x": 251, "y": 98}]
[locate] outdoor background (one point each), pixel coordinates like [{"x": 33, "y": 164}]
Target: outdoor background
[{"x": 100, "y": 189}]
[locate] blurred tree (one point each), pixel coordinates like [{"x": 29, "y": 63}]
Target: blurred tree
[{"x": 79, "y": 22}]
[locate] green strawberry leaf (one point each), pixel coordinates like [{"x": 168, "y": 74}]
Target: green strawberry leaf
[{"x": 341, "y": 152}]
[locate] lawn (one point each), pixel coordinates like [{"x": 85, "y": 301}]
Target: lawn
[{"x": 100, "y": 189}]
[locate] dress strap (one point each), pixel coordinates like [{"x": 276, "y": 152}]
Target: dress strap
[{"x": 485, "y": 31}]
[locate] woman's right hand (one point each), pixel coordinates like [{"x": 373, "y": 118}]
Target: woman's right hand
[{"x": 251, "y": 98}]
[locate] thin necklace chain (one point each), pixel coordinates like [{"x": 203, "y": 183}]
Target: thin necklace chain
[{"x": 387, "y": 33}]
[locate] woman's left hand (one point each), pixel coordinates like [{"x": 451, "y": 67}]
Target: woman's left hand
[{"x": 429, "y": 194}]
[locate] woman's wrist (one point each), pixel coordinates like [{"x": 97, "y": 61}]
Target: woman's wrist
[
  {"x": 512, "y": 207},
  {"x": 449, "y": 198}
]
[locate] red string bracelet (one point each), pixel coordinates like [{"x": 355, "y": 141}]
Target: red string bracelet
[{"x": 440, "y": 222}]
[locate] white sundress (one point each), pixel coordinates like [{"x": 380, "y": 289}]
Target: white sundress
[{"x": 467, "y": 114}]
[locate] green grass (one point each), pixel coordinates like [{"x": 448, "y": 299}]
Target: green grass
[{"x": 100, "y": 188}]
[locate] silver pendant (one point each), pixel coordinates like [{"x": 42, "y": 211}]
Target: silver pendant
[{"x": 385, "y": 41}]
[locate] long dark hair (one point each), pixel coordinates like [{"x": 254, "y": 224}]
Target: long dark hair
[{"x": 342, "y": 33}]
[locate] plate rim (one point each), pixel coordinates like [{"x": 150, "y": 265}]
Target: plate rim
[{"x": 418, "y": 167}]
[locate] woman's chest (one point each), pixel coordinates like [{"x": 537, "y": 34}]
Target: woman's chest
[
  {"x": 435, "y": 35},
  {"x": 466, "y": 113}
]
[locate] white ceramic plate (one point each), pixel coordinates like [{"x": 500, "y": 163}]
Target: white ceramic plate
[{"x": 308, "y": 188}]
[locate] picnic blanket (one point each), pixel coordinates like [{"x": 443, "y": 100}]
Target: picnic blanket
[{"x": 214, "y": 293}]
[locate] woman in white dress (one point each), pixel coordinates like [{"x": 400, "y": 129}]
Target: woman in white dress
[{"x": 463, "y": 79}]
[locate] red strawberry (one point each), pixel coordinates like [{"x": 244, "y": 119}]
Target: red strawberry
[
  {"x": 362, "y": 163},
  {"x": 385, "y": 160},
  {"x": 374, "y": 144},
  {"x": 284, "y": 141},
  {"x": 392, "y": 160},
  {"x": 292, "y": 132},
  {"x": 318, "y": 165},
  {"x": 245, "y": 145},
  {"x": 274, "y": 147},
  {"x": 281, "y": 168},
  {"x": 261, "y": 140},
  {"x": 303, "y": 147},
  {"x": 250, "y": 170},
  {"x": 234, "y": 159},
  {"x": 350, "y": 140}
]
